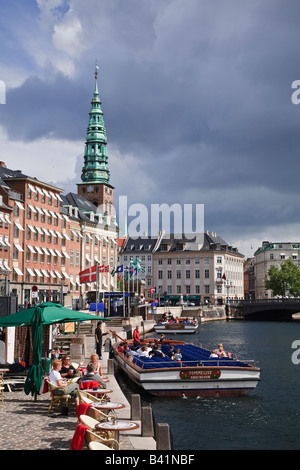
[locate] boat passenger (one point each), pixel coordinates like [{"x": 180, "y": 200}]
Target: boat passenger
[
  {"x": 121, "y": 346},
  {"x": 143, "y": 351},
  {"x": 136, "y": 336},
  {"x": 162, "y": 337},
  {"x": 156, "y": 352},
  {"x": 126, "y": 351},
  {"x": 171, "y": 352},
  {"x": 178, "y": 355},
  {"x": 220, "y": 351},
  {"x": 213, "y": 355}
]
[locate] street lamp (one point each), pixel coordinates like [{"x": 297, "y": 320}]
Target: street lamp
[{"x": 228, "y": 285}]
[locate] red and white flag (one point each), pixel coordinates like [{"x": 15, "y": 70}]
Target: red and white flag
[{"x": 88, "y": 275}]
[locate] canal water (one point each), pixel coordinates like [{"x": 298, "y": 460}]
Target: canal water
[{"x": 268, "y": 418}]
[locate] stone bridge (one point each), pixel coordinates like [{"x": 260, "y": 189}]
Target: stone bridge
[{"x": 264, "y": 309}]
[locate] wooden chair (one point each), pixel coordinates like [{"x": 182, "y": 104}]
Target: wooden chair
[
  {"x": 57, "y": 399},
  {"x": 95, "y": 445},
  {"x": 2, "y": 387},
  {"x": 85, "y": 397},
  {"x": 90, "y": 436},
  {"x": 90, "y": 423}
]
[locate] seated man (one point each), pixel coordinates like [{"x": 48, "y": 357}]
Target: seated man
[
  {"x": 92, "y": 375},
  {"x": 143, "y": 351},
  {"x": 57, "y": 380},
  {"x": 156, "y": 352},
  {"x": 171, "y": 352}
]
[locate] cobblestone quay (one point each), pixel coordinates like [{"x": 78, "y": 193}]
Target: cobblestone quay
[{"x": 25, "y": 424}]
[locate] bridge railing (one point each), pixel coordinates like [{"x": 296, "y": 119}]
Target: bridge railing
[{"x": 283, "y": 300}]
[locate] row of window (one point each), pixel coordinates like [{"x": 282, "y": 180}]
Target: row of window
[
  {"x": 187, "y": 274},
  {"x": 187, "y": 290},
  {"x": 178, "y": 261}
]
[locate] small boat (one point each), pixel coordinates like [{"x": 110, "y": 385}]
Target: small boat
[
  {"x": 195, "y": 375},
  {"x": 180, "y": 325}
]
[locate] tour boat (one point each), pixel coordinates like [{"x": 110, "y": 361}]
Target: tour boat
[
  {"x": 195, "y": 375},
  {"x": 181, "y": 325}
]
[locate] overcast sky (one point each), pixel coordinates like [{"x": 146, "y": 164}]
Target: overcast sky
[{"x": 196, "y": 96}]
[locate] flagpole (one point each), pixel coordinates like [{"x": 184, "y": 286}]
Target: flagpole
[
  {"x": 97, "y": 288},
  {"x": 50, "y": 284},
  {"x": 123, "y": 293}
]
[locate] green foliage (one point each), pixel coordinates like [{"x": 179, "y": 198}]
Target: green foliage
[{"x": 284, "y": 278}]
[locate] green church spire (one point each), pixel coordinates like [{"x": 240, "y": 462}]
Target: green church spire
[{"x": 95, "y": 169}]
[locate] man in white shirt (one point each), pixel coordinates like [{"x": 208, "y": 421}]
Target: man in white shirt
[{"x": 57, "y": 380}]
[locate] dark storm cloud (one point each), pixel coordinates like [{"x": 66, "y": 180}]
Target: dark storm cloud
[{"x": 200, "y": 93}]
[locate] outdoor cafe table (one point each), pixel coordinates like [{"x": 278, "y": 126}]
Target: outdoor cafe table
[
  {"x": 116, "y": 426},
  {"x": 108, "y": 405}
]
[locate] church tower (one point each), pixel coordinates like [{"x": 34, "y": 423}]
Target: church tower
[{"x": 95, "y": 186}]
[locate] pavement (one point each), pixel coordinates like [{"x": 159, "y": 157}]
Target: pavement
[{"x": 26, "y": 425}]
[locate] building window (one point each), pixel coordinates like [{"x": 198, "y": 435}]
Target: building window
[
  {"x": 169, "y": 274},
  {"x": 178, "y": 289},
  {"x": 178, "y": 274},
  {"x": 160, "y": 274},
  {"x": 187, "y": 289},
  {"x": 188, "y": 274},
  {"x": 71, "y": 258},
  {"x": 160, "y": 261},
  {"x": 206, "y": 289},
  {"x": 197, "y": 273},
  {"x": 206, "y": 273}
]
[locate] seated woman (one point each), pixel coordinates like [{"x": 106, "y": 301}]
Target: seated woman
[
  {"x": 92, "y": 375},
  {"x": 220, "y": 351},
  {"x": 57, "y": 380},
  {"x": 67, "y": 370},
  {"x": 95, "y": 360}
]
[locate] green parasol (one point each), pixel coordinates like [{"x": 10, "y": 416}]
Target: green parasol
[{"x": 43, "y": 314}]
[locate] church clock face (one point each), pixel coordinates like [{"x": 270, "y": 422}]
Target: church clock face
[{"x": 90, "y": 188}]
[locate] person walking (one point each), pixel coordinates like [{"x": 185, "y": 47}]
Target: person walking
[{"x": 98, "y": 336}]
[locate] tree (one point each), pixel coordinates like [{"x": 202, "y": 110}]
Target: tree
[{"x": 284, "y": 278}]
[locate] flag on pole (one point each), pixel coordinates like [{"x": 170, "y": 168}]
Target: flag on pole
[
  {"x": 153, "y": 290},
  {"x": 103, "y": 269},
  {"x": 88, "y": 275},
  {"x": 118, "y": 269},
  {"x": 224, "y": 277}
]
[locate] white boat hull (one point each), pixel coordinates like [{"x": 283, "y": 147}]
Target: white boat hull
[
  {"x": 192, "y": 381},
  {"x": 176, "y": 329}
]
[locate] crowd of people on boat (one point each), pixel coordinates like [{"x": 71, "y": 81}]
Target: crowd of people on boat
[
  {"x": 169, "y": 319},
  {"x": 153, "y": 349},
  {"x": 219, "y": 353}
]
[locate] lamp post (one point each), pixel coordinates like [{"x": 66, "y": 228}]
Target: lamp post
[{"x": 228, "y": 285}]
